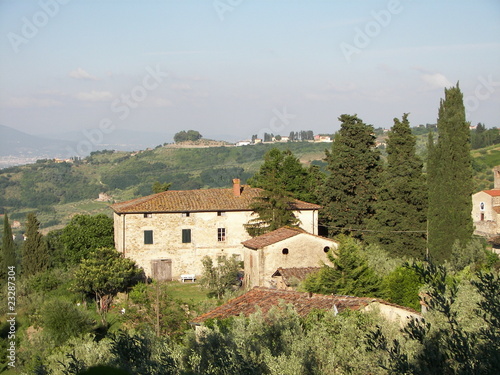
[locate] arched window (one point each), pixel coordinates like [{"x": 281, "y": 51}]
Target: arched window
[{"x": 284, "y": 251}]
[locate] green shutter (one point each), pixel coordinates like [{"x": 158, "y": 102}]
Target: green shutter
[
  {"x": 186, "y": 236},
  {"x": 148, "y": 237}
]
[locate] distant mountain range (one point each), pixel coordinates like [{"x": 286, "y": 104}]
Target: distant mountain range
[{"x": 14, "y": 143}]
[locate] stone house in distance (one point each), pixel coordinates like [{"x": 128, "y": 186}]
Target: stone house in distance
[
  {"x": 169, "y": 233},
  {"x": 486, "y": 209}
]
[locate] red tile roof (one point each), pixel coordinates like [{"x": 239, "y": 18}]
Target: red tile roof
[
  {"x": 299, "y": 273},
  {"x": 199, "y": 200},
  {"x": 493, "y": 192},
  {"x": 265, "y": 298},
  {"x": 272, "y": 237}
]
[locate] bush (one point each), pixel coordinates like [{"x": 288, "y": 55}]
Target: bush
[{"x": 62, "y": 320}]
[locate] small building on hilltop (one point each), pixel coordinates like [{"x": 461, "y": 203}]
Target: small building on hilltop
[
  {"x": 169, "y": 233},
  {"x": 285, "y": 248},
  {"x": 486, "y": 209}
]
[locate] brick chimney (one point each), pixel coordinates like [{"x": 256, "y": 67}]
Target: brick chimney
[{"x": 236, "y": 187}]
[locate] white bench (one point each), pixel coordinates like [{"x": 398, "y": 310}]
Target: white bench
[{"x": 188, "y": 277}]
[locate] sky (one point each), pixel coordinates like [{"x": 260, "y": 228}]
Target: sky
[{"x": 233, "y": 68}]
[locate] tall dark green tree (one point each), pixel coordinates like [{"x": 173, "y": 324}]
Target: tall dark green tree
[
  {"x": 349, "y": 192},
  {"x": 282, "y": 179},
  {"x": 400, "y": 219},
  {"x": 8, "y": 247},
  {"x": 350, "y": 274},
  {"x": 450, "y": 179},
  {"x": 273, "y": 210},
  {"x": 285, "y": 169},
  {"x": 35, "y": 256}
]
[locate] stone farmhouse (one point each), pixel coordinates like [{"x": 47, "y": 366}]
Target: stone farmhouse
[
  {"x": 169, "y": 233},
  {"x": 486, "y": 209},
  {"x": 283, "y": 248}
]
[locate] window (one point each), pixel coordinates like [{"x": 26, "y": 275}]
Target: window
[
  {"x": 186, "y": 236},
  {"x": 221, "y": 234},
  {"x": 326, "y": 249},
  {"x": 148, "y": 215},
  {"x": 186, "y": 214},
  {"x": 148, "y": 237},
  {"x": 221, "y": 213},
  {"x": 284, "y": 251},
  {"x": 482, "y": 206}
]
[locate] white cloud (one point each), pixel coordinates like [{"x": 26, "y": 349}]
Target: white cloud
[
  {"x": 156, "y": 102},
  {"x": 30, "y": 102},
  {"x": 94, "y": 96},
  {"x": 436, "y": 80},
  {"x": 181, "y": 87},
  {"x": 82, "y": 74}
]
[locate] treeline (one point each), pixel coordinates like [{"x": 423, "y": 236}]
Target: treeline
[{"x": 303, "y": 135}]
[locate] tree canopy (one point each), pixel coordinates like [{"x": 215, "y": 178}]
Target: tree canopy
[
  {"x": 349, "y": 191},
  {"x": 35, "y": 257},
  {"x": 190, "y": 135},
  {"x": 104, "y": 273},
  {"x": 400, "y": 218},
  {"x": 450, "y": 179},
  {"x": 85, "y": 233}
]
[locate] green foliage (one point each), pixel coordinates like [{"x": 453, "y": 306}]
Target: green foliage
[
  {"x": 350, "y": 274},
  {"x": 273, "y": 210},
  {"x": 482, "y": 137},
  {"x": 35, "y": 257},
  {"x": 402, "y": 286},
  {"x": 85, "y": 233},
  {"x": 220, "y": 279},
  {"x": 400, "y": 218},
  {"x": 450, "y": 179},
  {"x": 282, "y": 170},
  {"x": 8, "y": 249},
  {"x": 103, "y": 274},
  {"x": 62, "y": 320},
  {"x": 349, "y": 192},
  {"x": 473, "y": 253},
  {"x": 190, "y": 135},
  {"x": 159, "y": 187},
  {"x": 445, "y": 345},
  {"x": 153, "y": 308}
]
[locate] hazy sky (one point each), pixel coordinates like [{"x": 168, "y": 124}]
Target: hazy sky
[{"x": 233, "y": 68}]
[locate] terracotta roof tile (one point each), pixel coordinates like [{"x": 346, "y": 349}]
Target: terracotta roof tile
[
  {"x": 265, "y": 298},
  {"x": 198, "y": 200},
  {"x": 272, "y": 237},
  {"x": 493, "y": 192},
  {"x": 299, "y": 273}
]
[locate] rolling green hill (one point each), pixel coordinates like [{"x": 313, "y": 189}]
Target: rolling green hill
[{"x": 58, "y": 191}]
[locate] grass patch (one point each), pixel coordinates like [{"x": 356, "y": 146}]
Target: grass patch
[{"x": 187, "y": 292}]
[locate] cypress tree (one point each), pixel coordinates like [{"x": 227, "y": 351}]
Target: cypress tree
[
  {"x": 450, "y": 179},
  {"x": 349, "y": 192},
  {"x": 8, "y": 247},
  {"x": 401, "y": 207},
  {"x": 35, "y": 250}
]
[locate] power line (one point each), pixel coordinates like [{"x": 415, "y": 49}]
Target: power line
[{"x": 379, "y": 231}]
